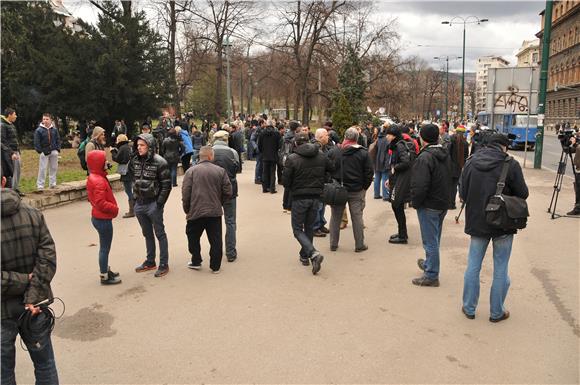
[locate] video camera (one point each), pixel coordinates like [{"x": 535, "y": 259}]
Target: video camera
[{"x": 565, "y": 134}]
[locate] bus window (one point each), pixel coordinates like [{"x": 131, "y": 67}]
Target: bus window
[{"x": 522, "y": 121}]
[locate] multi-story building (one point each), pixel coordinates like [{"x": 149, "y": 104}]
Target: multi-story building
[
  {"x": 483, "y": 65},
  {"x": 529, "y": 53},
  {"x": 563, "y": 91}
]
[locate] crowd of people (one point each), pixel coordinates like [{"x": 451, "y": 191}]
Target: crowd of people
[{"x": 409, "y": 165}]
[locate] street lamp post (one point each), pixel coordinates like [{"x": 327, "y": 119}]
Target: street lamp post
[
  {"x": 229, "y": 85},
  {"x": 465, "y": 21},
  {"x": 446, "y": 80}
]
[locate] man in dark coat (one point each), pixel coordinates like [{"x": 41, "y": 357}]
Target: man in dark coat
[
  {"x": 28, "y": 267},
  {"x": 430, "y": 182},
  {"x": 304, "y": 175},
  {"x": 458, "y": 152},
  {"x": 353, "y": 166},
  {"x": 477, "y": 184},
  {"x": 402, "y": 156},
  {"x": 269, "y": 144},
  {"x": 151, "y": 189},
  {"x": 10, "y": 138}
]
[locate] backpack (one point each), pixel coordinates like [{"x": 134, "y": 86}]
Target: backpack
[
  {"x": 411, "y": 149},
  {"x": 81, "y": 153},
  {"x": 285, "y": 151}
]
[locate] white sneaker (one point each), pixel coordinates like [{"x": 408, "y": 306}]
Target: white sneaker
[
  {"x": 193, "y": 267},
  {"x": 215, "y": 271}
]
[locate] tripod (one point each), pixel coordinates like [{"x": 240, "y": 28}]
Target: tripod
[{"x": 564, "y": 156}]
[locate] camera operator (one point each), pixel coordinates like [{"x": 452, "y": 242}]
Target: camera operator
[{"x": 575, "y": 148}]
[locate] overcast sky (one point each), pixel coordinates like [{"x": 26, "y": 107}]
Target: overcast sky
[{"x": 422, "y": 34}]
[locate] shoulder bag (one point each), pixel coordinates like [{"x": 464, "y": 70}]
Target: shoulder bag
[{"x": 334, "y": 193}]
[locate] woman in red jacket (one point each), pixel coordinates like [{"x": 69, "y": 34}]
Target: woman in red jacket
[{"x": 105, "y": 208}]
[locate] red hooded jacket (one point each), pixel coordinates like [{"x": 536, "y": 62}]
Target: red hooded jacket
[{"x": 99, "y": 189}]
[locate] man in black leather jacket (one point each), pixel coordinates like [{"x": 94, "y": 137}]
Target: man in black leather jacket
[{"x": 151, "y": 188}]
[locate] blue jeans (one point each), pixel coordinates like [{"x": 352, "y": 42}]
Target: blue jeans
[
  {"x": 502, "y": 249},
  {"x": 128, "y": 185},
  {"x": 381, "y": 177},
  {"x": 258, "y": 174},
  {"x": 195, "y": 156},
  {"x": 320, "y": 221},
  {"x": 230, "y": 220},
  {"x": 431, "y": 224},
  {"x": 173, "y": 171},
  {"x": 105, "y": 229},
  {"x": 150, "y": 219},
  {"x": 42, "y": 356}
]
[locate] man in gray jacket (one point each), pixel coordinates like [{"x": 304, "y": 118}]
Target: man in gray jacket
[
  {"x": 228, "y": 159},
  {"x": 205, "y": 189}
]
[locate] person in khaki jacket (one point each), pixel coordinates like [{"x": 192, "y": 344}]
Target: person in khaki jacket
[
  {"x": 205, "y": 188},
  {"x": 97, "y": 142}
]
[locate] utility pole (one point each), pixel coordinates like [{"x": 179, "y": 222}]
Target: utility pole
[
  {"x": 447, "y": 80},
  {"x": 543, "y": 84},
  {"x": 229, "y": 84}
]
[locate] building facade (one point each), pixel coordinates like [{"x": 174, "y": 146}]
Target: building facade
[
  {"x": 529, "y": 53},
  {"x": 483, "y": 65},
  {"x": 563, "y": 91}
]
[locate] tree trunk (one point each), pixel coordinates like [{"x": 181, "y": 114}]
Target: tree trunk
[
  {"x": 219, "y": 80},
  {"x": 172, "y": 69}
]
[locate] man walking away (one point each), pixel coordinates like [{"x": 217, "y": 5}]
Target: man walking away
[
  {"x": 28, "y": 266},
  {"x": 477, "y": 184},
  {"x": 458, "y": 151},
  {"x": 430, "y": 183},
  {"x": 206, "y": 187},
  {"x": 9, "y": 137},
  {"x": 268, "y": 144},
  {"x": 47, "y": 144},
  {"x": 304, "y": 175},
  {"x": 227, "y": 158},
  {"x": 352, "y": 164},
  {"x": 381, "y": 166},
  {"x": 151, "y": 189}
]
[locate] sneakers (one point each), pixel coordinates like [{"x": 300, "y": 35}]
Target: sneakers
[
  {"x": 424, "y": 281},
  {"x": 333, "y": 248},
  {"x": 163, "y": 270},
  {"x": 215, "y": 271},
  {"x": 231, "y": 259},
  {"x": 394, "y": 236},
  {"x": 316, "y": 259},
  {"x": 324, "y": 229},
  {"x": 468, "y": 316},
  {"x": 398, "y": 241},
  {"x": 506, "y": 315},
  {"x": 575, "y": 211},
  {"x": 361, "y": 249},
  {"x": 145, "y": 266},
  {"x": 305, "y": 261},
  {"x": 112, "y": 272},
  {"x": 421, "y": 263},
  {"x": 190, "y": 265},
  {"x": 110, "y": 278},
  {"x": 318, "y": 233}
]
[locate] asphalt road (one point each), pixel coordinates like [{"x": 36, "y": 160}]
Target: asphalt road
[
  {"x": 551, "y": 154},
  {"x": 267, "y": 319}
]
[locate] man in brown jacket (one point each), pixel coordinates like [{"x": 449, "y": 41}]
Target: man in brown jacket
[{"x": 205, "y": 188}]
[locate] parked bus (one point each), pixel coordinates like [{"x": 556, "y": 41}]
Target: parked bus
[{"x": 515, "y": 124}]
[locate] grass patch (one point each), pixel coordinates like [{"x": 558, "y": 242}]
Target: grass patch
[{"x": 69, "y": 168}]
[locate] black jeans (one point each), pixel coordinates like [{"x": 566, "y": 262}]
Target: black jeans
[
  {"x": 186, "y": 162},
  {"x": 304, "y": 213},
  {"x": 453, "y": 192},
  {"x": 42, "y": 356},
  {"x": 287, "y": 199},
  {"x": 213, "y": 230},
  {"x": 268, "y": 175},
  {"x": 401, "y": 220}
]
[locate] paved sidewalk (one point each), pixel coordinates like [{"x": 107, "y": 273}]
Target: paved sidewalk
[{"x": 266, "y": 319}]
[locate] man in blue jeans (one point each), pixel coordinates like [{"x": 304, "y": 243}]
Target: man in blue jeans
[
  {"x": 477, "y": 184},
  {"x": 151, "y": 189},
  {"x": 28, "y": 266},
  {"x": 430, "y": 183}
]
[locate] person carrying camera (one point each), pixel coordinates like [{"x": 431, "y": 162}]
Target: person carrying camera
[
  {"x": 477, "y": 184},
  {"x": 576, "y": 149}
]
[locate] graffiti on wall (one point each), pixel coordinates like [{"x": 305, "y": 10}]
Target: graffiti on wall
[{"x": 512, "y": 100}]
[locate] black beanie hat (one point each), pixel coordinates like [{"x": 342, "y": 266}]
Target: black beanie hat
[
  {"x": 430, "y": 133},
  {"x": 498, "y": 138},
  {"x": 394, "y": 130}
]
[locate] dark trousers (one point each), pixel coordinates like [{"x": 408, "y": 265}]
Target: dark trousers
[
  {"x": 186, "y": 162},
  {"x": 453, "y": 192},
  {"x": 279, "y": 171},
  {"x": 258, "y": 174},
  {"x": 304, "y": 213},
  {"x": 401, "y": 220},
  {"x": 268, "y": 175},
  {"x": 150, "y": 219},
  {"x": 287, "y": 199},
  {"x": 41, "y": 354},
  {"x": 213, "y": 231}
]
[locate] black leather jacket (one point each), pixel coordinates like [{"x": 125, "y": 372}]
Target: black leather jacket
[{"x": 152, "y": 178}]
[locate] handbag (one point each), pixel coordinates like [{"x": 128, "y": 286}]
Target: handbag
[
  {"x": 334, "y": 193},
  {"x": 506, "y": 212},
  {"x": 122, "y": 169}
]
